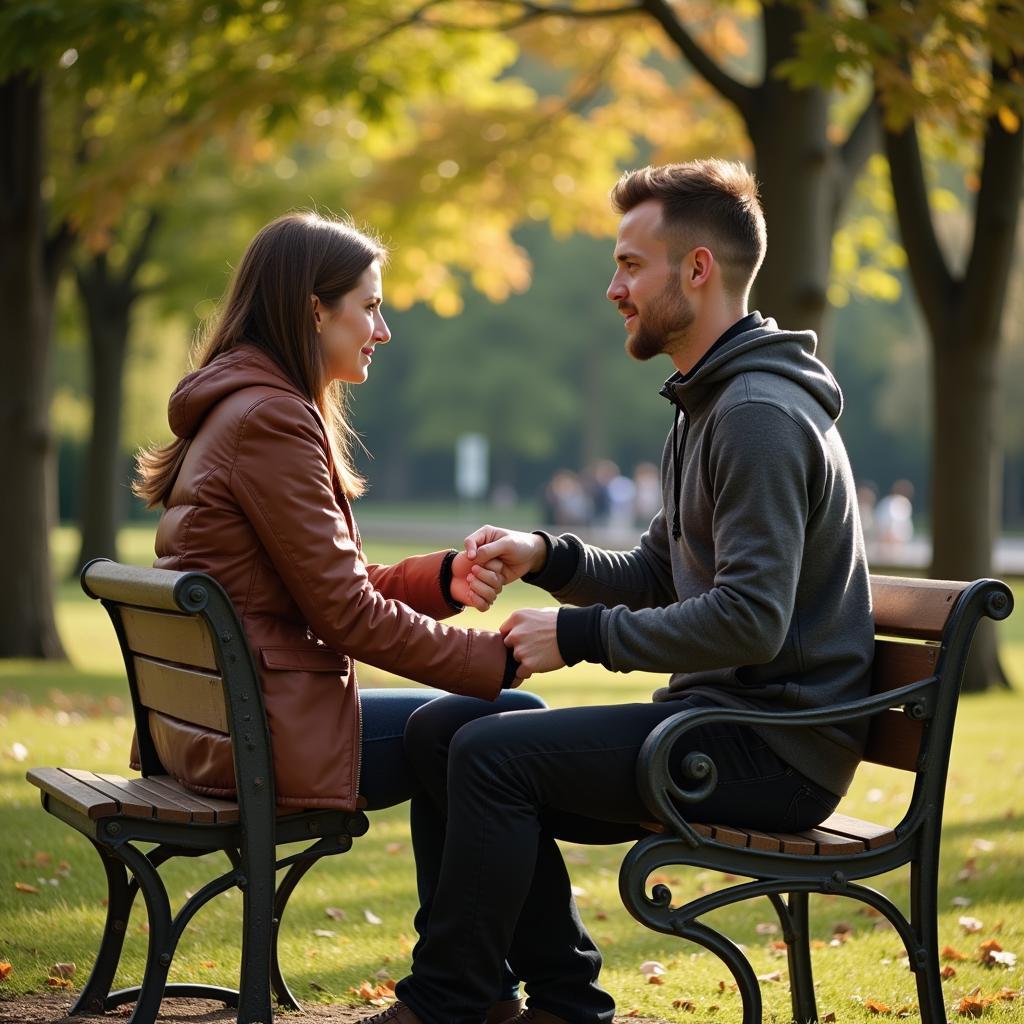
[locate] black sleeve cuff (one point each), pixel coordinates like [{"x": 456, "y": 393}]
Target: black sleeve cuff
[
  {"x": 579, "y": 634},
  {"x": 511, "y": 668},
  {"x": 446, "y": 581},
  {"x": 561, "y": 565}
]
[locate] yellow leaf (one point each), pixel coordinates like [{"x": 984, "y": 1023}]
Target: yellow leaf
[
  {"x": 5, "y": 969},
  {"x": 1009, "y": 120}
]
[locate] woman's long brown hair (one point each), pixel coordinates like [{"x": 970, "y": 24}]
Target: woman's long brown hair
[{"x": 268, "y": 306}]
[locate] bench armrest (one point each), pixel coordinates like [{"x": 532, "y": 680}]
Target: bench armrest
[{"x": 659, "y": 790}]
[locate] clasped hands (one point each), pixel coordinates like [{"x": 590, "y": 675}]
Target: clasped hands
[{"x": 493, "y": 557}]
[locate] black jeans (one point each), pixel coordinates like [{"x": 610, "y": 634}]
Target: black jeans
[{"x": 498, "y": 791}]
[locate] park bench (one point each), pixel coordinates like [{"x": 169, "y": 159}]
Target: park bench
[
  {"x": 186, "y": 655},
  {"x": 923, "y": 634}
]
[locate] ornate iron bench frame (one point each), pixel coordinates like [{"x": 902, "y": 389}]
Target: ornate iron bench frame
[
  {"x": 181, "y": 628},
  {"x": 911, "y": 728}
]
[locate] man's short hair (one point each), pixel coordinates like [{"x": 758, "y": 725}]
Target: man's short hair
[{"x": 703, "y": 202}]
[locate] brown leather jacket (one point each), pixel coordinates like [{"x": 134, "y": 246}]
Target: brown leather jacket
[{"x": 257, "y": 506}]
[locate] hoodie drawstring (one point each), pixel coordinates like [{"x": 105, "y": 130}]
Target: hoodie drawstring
[{"x": 678, "y": 448}]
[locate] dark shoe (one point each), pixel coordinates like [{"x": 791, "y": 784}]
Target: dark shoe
[
  {"x": 534, "y": 1016},
  {"x": 397, "y": 1013},
  {"x": 505, "y": 1011}
]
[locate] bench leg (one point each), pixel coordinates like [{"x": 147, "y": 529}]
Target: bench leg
[
  {"x": 796, "y": 931},
  {"x": 257, "y": 930},
  {"x": 924, "y": 961},
  {"x": 120, "y": 896},
  {"x": 282, "y": 993}
]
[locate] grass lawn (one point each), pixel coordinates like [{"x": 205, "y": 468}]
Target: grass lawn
[{"x": 53, "y": 714}]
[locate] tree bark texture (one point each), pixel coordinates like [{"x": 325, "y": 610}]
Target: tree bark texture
[{"x": 27, "y": 465}]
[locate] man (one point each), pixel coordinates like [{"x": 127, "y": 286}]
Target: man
[{"x": 750, "y": 587}]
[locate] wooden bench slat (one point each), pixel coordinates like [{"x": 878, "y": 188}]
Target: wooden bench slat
[
  {"x": 913, "y": 608},
  {"x": 798, "y": 844},
  {"x": 829, "y": 843},
  {"x": 129, "y": 801},
  {"x": 191, "y": 696},
  {"x": 870, "y": 834},
  {"x": 225, "y": 812},
  {"x": 763, "y": 841},
  {"x": 728, "y": 835},
  {"x": 180, "y": 638},
  {"x": 894, "y": 740},
  {"x": 174, "y": 790},
  {"x": 164, "y": 808},
  {"x": 76, "y": 795}
]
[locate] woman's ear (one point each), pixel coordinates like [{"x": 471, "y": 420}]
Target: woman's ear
[{"x": 316, "y": 311}]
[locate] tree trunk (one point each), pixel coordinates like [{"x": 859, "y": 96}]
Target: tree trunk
[
  {"x": 964, "y": 317},
  {"x": 965, "y": 481},
  {"x": 108, "y": 307},
  {"x": 795, "y": 166},
  {"x": 27, "y": 278}
]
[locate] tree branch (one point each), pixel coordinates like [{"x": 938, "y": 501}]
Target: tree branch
[
  {"x": 140, "y": 251},
  {"x": 935, "y": 286},
  {"x": 864, "y": 139},
  {"x": 729, "y": 88}
]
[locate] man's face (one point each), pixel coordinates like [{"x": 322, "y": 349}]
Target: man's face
[{"x": 646, "y": 287}]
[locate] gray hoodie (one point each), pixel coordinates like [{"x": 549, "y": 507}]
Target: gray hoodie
[{"x": 762, "y": 601}]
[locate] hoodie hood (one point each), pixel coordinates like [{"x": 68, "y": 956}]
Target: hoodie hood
[
  {"x": 243, "y": 367},
  {"x": 763, "y": 348}
]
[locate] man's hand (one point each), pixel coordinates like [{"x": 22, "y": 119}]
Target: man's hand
[
  {"x": 518, "y": 552},
  {"x": 532, "y": 635},
  {"x": 476, "y": 584}
]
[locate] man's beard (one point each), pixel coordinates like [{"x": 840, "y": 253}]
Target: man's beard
[{"x": 666, "y": 317}]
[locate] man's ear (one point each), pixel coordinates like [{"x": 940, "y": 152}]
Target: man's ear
[{"x": 698, "y": 265}]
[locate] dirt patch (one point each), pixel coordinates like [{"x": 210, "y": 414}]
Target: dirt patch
[{"x": 53, "y": 1009}]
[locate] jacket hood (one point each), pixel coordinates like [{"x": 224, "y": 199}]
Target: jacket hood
[
  {"x": 243, "y": 367},
  {"x": 764, "y": 348}
]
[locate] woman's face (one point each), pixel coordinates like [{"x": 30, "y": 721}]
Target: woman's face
[{"x": 352, "y": 328}]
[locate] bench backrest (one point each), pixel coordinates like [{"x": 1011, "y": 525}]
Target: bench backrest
[
  {"x": 186, "y": 656},
  {"x": 923, "y": 630}
]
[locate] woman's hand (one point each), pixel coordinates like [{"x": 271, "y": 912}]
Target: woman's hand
[
  {"x": 518, "y": 553},
  {"x": 532, "y": 633},
  {"x": 476, "y": 585}
]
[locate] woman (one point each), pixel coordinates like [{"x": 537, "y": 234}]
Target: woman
[{"x": 256, "y": 490}]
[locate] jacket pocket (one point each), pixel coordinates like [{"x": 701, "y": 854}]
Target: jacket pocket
[{"x": 307, "y": 659}]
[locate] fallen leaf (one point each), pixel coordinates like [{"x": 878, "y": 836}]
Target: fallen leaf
[
  {"x": 63, "y": 970},
  {"x": 650, "y": 967},
  {"x": 842, "y": 928},
  {"x": 1007, "y": 995},
  {"x": 949, "y": 953},
  {"x": 961, "y": 901},
  {"x": 208, "y": 964},
  {"x": 26, "y": 888},
  {"x": 970, "y": 1007},
  {"x": 58, "y": 983},
  {"x": 632, "y": 1013},
  {"x": 771, "y": 976},
  {"x": 968, "y": 871},
  {"x": 970, "y": 925},
  {"x": 947, "y": 972},
  {"x": 829, "y": 1017},
  {"x": 394, "y": 848},
  {"x": 336, "y": 914},
  {"x": 655, "y": 979},
  {"x": 601, "y": 915},
  {"x": 780, "y": 945},
  {"x": 5, "y": 969},
  {"x": 684, "y": 1004},
  {"x": 984, "y": 845},
  {"x": 371, "y": 917},
  {"x": 876, "y": 1006},
  {"x": 1000, "y": 958},
  {"x": 42, "y": 859},
  {"x": 323, "y": 933}
]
